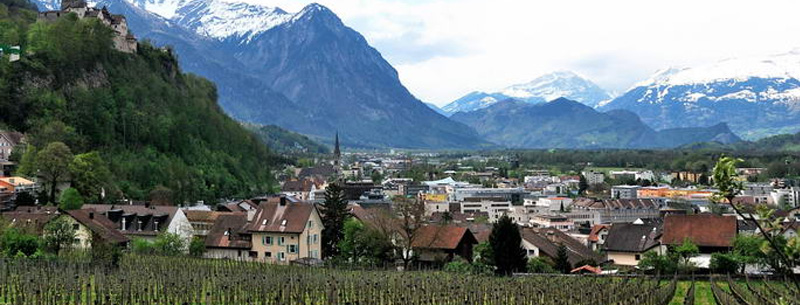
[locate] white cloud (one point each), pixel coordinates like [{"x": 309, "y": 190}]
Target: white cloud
[{"x": 446, "y": 48}]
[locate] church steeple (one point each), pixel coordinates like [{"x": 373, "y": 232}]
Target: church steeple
[{"x": 337, "y": 153}]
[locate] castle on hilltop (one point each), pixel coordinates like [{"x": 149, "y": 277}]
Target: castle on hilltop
[{"x": 123, "y": 40}]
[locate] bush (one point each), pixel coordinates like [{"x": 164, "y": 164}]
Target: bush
[
  {"x": 725, "y": 263},
  {"x": 15, "y": 243},
  {"x": 197, "y": 247},
  {"x": 142, "y": 247},
  {"x": 169, "y": 244},
  {"x": 540, "y": 265}
]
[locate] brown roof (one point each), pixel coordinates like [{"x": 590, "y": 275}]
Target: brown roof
[
  {"x": 32, "y": 219},
  {"x": 12, "y": 136},
  {"x": 441, "y": 237},
  {"x": 703, "y": 230},
  {"x": 100, "y": 225},
  {"x": 548, "y": 241},
  {"x": 229, "y": 231},
  {"x": 282, "y": 217},
  {"x": 237, "y": 206},
  {"x": 303, "y": 185},
  {"x": 203, "y": 216}
]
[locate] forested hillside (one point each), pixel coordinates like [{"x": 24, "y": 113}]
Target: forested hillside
[
  {"x": 286, "y": 142},
  {"x": 133, "y": 122}
]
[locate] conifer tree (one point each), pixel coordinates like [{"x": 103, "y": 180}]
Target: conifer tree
[
  {"x": 334, "y": 215},
  {"x": 506, "y": 243}
]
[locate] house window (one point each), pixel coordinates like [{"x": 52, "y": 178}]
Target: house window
[
  {"x": 316, "y": 239},
  {"x": 253, "y": 254},
  {"x": 292, "y": 248},
  {"x": 268, "y": 254},
  {"x": 638, "y": 257},
  {"x": 314, "y": 254},
  {"x": 75, "y": 227},
  {"x": 281, "y": 241},
  {"x": 283, "y": 223},
  {"x": 282, "y": 256},
  {"x": 266, "y": 240}
]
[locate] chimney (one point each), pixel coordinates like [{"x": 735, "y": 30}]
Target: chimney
[
  {"x": 283, "y": 200},
  {"x": 91, "y": 215}
]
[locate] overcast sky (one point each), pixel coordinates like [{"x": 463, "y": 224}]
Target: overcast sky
[{"x": 444, "y": 49}]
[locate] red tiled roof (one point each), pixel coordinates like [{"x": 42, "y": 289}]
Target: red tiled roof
[
  {"x": 441, "y": 237},
  {"x": 702, "y": 230},
  {"x": 595, "y": 270},
  {"x": 204, "y": 216},
  {"x": 596, "y": 230}
]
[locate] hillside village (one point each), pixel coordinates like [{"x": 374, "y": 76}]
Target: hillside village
[
  {"x": 612, "y": 226},
  {"x": 124, "y": 41}
]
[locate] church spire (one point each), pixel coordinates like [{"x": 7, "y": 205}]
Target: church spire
[{"x": 337, "y": 153}]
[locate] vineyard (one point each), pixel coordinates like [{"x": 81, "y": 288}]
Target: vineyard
[{"x": 160, "y": 280}]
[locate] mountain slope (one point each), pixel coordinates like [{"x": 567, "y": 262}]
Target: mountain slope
[
  {"x": 545, "y": 88},
  {"x": 756, "y": 96},
  {"x": 283, "y": 141},
  {"x": 153, "y": 125},
  {"x": 306, "y": 72},
  {"x": 568, "y": 124}
]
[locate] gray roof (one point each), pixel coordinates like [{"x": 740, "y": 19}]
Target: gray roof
[{"x": 628, "y": 237}]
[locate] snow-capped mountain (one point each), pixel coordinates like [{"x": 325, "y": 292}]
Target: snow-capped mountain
[
  {"x": 545, "y": 88},
  {"x": 755, "y": 96}
]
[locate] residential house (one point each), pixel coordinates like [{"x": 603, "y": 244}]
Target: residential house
[
  {"x": 493, "y": 206},
  {"x": 711, "y": 234},
  {"x": 435, "y": 244},
  {"x": 91, "y": 228},
  {"x": 8, "y": 140},
  {"x": 145, "y": 221},
  {"x": 545, "y": 242},
  {"x": 283, "y": 231},
  {"x": 626, "y": 243},
  {"x": 597, "y": 236},
  {"x": 301, "y": 189},
  {"x": 229, "y": 238},
  {"x": 240, "y": 206}
]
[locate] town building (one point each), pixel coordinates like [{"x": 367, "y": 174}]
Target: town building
[
  {"x": 92, "y": 228},
  {"x": 618, "y": 210},
  {"x": 625, "y": 191},
  {"x": 593, "y": 177},
  {"x": 495, "y": 207},
  {"x": 229, "y": 239},
  {"x": 545, "y": 242}
]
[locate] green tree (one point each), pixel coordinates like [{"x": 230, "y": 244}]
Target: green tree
[
  {"x": 58, "y": 235},
  {"x": 27, "y": 163},
  {"x": 364, "y": 244},
  {"x": 52, "y": 164},
  {"x": 334, "y": 215},
  {"x": 582, "y": 185},
  {"x": 562, "y": 260},
  {"x": 90, "y": 175},
  {"x": 686, "y": 251},
  {"x": 70, "y": 199},
  {"x": 786, "y": 253},
  {"x": 169, "y": 244},
  {"x": 506, "y": 242},
  {"x": 197, "y": 247},
  {"x": 724, "y": 263}
]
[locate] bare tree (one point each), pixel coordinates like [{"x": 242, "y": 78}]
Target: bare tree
[{"x": 411, "y": 212}]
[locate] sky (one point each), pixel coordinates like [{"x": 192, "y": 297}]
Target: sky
[{"x": 444, "y": 49}]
